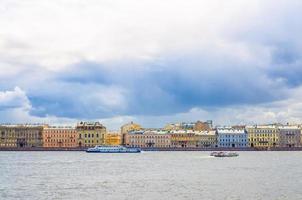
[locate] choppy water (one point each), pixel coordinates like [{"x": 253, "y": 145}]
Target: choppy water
[{"x": 150, "y": 175}]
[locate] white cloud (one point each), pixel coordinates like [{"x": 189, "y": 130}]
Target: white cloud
[
  {"x": 55, "y": 34},
  {"x": 14, "y": 99},
  {"x": 40, "y": 39},
  {"x": 16, "y": 109}
]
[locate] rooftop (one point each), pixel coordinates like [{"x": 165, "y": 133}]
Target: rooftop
[{"x": 230, "y": 131}]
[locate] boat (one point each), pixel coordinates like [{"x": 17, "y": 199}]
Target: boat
[
  {"x": 224, "y": 154},
  {"x": 112, "y": 149}
]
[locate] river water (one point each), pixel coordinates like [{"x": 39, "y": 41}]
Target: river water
[{"x": 150, "y": 175}]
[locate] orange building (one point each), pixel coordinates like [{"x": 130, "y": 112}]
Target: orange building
[
  {"x": 60, "y": 137},
  {"x": 113, "y": 138}
]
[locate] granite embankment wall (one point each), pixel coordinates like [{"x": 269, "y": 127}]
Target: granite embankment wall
[{"x": 158, "y": 149}]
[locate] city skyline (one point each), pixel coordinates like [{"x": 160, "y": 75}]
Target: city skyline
[{"x": 150, "y": 62}]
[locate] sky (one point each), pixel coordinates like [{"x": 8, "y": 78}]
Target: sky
[{"x": 152, "y": 62}]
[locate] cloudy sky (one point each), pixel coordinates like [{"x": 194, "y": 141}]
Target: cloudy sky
[{"x": 151, "y": 61}]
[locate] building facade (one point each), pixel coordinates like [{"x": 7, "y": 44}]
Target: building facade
[
  {"x": 128, "y": 128},
  {"x": 290, "y": 136},
  {"x": 205, "y": 139},
  {"x": 21, "y": 136},
  {"x": 229, "y": 137},
  {"x": 90, "y": 134},
  {"x": 66, "y": 137},
  {"x": 183, "y": 139},
  {"x": 113, "y": 138},
  {"x": 148, "y": 139},
  {"x": 263, "y": 136}
]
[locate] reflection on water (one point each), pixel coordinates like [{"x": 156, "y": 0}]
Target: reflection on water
[{"x": 150, "y": 175}]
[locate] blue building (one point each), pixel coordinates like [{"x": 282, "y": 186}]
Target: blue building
[{"x": 230, "y": 137}]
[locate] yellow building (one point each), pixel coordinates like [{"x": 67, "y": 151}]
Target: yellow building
[
  {"x": 206, "y": 138},
  {"x": 113, "y": 138},
  {"x": 183, "y": 139},
  {"x": 91, "y": 134},
  {"x": 21, "y": 136},
  {"x": 263, "y": 136}
]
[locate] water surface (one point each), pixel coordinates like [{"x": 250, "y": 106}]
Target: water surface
[{"x": 150, "y": 175}]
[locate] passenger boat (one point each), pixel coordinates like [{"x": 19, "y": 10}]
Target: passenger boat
[
  {"x": 112, "y": 149},
  {"x": 224, "y": 154}
]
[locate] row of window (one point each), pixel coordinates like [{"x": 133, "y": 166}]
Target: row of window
[
  {"x": 8, "y": 145},
  {"x": 232, "y": 140},
  {"x": 60, "y": 136},
  {"x": 60, "y": 131},
  {"x": 232, "y": 145},
  {"x": 149, "y": 136},
  {"x": 89, "y": 135},
  {"x": 63, "y": 145},
  {"x": 91, "y": 141},
  {"x": 291, "y": 132},
  {"x": 148, "y": 141},
  {"x": 264, "y": 131},
  {"x": 145, "y": 145},
  {"x": 29, "y": 135},
  {"x": 262, "y": 144},
  {"x": 59, "y": 140},
  {"x": 232, "y": 136},
  {"x": 263, "y": 135},
  {"x": 263, "y": 139}
]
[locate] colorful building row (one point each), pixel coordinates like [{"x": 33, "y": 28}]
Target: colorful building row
[
  {"x": 85, "y": 134},
  {"x": 192, "y": 135},
  {"x": 266, "y": 136}
]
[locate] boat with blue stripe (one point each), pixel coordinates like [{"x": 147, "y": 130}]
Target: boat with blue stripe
[{"x": 112, "y": 149}]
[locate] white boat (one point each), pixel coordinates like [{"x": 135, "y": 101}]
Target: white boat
[
  {"x": 224, "y": 154},
  {"x": 112, "y": 149}
]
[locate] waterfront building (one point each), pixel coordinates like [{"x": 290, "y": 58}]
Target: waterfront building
[
  {"x": 113, "y": 138},
  {"x": 21, "y": 135},
  {"x": 183, "y": 139},
  {"x": 90, "y": 134},
  {"x": 66, "y": 137},
  {"x": 127, "y": 128},
  {"x": 264, "y": 136},
  {"x": 230, "y": 137},
  {"x": 290, "y": 136},
  {"x": 148, "y": 139},
  {"x": 205, "y": 139}
]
